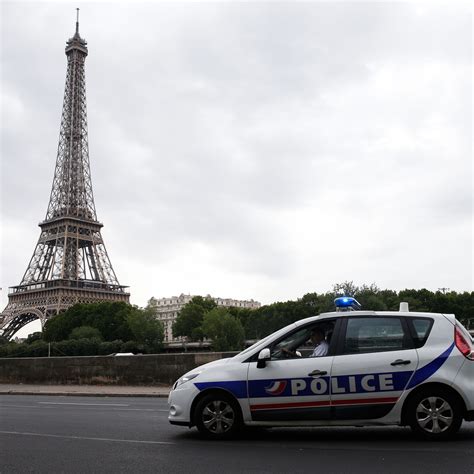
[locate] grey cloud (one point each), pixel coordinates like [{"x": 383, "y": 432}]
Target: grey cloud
[{"x": 258, "y": 131}]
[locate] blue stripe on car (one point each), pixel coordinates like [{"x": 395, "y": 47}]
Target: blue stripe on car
[
  {"x": 237, "y": 387},
  {"x": 428, "y": 370}
]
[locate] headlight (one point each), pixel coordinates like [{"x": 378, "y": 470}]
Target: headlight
[{"x": 185, "y": 378}]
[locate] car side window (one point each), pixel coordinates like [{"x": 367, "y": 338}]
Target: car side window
[
  {"x": 421, "y": 330},
  {"x": 299, "y": 343},
  {"x": 291, "y": 342},
  {"x": 375, "y": 334}
]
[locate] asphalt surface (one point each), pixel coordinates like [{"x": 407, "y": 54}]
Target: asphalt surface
[{"x": 67, "y": 434}]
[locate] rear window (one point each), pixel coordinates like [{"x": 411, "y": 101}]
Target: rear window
[{"x": 421, "y": 328}]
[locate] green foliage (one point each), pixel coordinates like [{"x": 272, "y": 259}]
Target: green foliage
[
  {"x": 110, "y": 347},
  {"x": 35, "y": 336},
  {"x": 225, "y": 330},
  {"x": 36, "y": 349},
  {"x": 73, "y": 347},
  {"x": 91, "y": 329},
  {"x": 267, "y": 319},
  {"x": 146, "y": 329},
  {"x": 126, "y": 328},
  {"x": 110, "y": 318},
  {"x": 85, "y": 332},
  {"x": 190, "y": 318}
]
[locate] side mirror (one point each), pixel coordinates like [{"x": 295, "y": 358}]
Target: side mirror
[{"x": 263, "y": 356}]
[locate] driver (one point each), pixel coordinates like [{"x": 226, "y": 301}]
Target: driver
[{"x": 321, "y": 347}]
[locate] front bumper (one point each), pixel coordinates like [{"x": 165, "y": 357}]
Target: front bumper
[
  {"x": 180, "y": 423},
  {"x": 179, "y": 403}
]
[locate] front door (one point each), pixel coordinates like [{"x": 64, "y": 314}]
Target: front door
[
  {"x": 290, "y": 388},
  {"x": 374, "y": 362}
]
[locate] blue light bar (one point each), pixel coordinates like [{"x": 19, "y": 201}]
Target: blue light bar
[{"x": 347, "y": 303}]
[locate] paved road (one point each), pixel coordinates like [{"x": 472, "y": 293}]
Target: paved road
[{"x": 48, "y": 434}]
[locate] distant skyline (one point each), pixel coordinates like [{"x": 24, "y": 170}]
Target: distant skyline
[{"x": 252, "y": 150}]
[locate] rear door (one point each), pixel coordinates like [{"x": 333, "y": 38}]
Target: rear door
[{"x": 374, "y": 362}]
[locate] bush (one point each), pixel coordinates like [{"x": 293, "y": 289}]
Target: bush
[
  {"x": 13, "y": 349},
  {"x": 110, "y": 347}
]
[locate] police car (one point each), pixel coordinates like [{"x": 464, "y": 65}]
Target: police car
[{"x": 381, "y": 368}]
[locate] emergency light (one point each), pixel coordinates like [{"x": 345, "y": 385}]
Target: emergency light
[{"x": 346, "y": 303}]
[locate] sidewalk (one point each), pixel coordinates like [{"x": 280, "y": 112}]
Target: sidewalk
[{"x": 86, "y": 390}]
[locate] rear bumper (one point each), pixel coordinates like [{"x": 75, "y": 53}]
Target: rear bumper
[{"x": 469, "y": 416}]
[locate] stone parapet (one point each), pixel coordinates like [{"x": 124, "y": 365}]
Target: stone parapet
[{"x": 102, "y": 370}]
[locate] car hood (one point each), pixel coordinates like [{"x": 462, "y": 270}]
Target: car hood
[
  {"x": 202, "y": 368},
  {"x": 214, "y": 363}
]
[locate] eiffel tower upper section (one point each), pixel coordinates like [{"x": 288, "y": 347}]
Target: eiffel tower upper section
[{"x": 70, "y": 263}]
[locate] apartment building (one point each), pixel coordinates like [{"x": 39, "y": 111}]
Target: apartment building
[{"x": 167, "y": 310}]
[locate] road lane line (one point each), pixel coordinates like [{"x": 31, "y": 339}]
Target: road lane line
[
  {"x": 18, "y": 406},
  {"x": 93, "y": 406},
  {"x": 86, "y": 404},
  {"x": 46, "y": 435}
]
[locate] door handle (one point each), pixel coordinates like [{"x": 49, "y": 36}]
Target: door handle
[
  {"x": 401, "y": 362},
  {"x": 317, "y": 373}
]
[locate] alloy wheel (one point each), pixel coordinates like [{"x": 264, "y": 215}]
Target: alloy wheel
[
  {"x": 434, "y": 415},
  {"x": 218, "y": 416}
]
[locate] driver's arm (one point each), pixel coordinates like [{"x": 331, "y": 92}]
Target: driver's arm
[{"x": 292, "y": 353}]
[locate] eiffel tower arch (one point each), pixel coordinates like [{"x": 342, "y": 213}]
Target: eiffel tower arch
[{"x": 70, "y": 263}]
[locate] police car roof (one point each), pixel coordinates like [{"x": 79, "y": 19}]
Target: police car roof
[{"x": 340, "y": 314}]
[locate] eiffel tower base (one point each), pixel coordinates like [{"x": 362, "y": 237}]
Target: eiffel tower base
[{"x": 43, "y": 303}]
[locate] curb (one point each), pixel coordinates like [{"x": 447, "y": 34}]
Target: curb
[{"x": 85, "y": 394}]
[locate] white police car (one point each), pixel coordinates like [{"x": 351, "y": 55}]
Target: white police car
[{"x": 381, "y": 368}]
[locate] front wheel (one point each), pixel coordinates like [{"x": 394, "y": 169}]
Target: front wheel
[
  {"x": 218, "y": 416},
  {"x": 434, "y": 415}
]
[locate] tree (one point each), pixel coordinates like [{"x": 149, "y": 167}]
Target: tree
[
  {"x": 347, "y": 288},
  {"x": 86, "y": 332},
  {"x": 225, "y": 331},
  {"x": 35, "y": 336},
  {"x": 116, "y": 322},
  {"x": 190, "y": 318},
  {"x": 110, "y": 318},
  {"x": 146, "y": 329}
]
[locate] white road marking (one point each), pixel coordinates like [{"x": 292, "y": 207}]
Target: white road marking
[
  {"x": 86, "y": 404},
  {"x": 18, "y": 406},
  {"x": 94, "y": 405},
  {"x": 45, "y": 435}
]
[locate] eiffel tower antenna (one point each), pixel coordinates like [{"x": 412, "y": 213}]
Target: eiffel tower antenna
[{"x": 70, "y": 263}]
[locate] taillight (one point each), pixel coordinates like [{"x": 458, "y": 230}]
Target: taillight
[{"x": 464, "y": 347}]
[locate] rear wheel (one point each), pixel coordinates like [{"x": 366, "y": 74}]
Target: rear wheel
[
  {"x": 217, "y": 416},
  {"x": 434, "y": 414}
]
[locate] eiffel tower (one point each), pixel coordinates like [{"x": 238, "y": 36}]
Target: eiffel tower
[{"x": 70, "y": 263}]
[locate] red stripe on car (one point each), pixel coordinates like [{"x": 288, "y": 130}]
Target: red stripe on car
[{"x": 322, "y": 403}]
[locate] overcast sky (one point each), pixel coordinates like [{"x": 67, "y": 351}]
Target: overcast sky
[{"x": 251, "y": 150}]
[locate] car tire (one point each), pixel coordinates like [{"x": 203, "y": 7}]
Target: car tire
[
  {"x": 218, "y": 416},
  {"x": 434, "y": 414}
]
